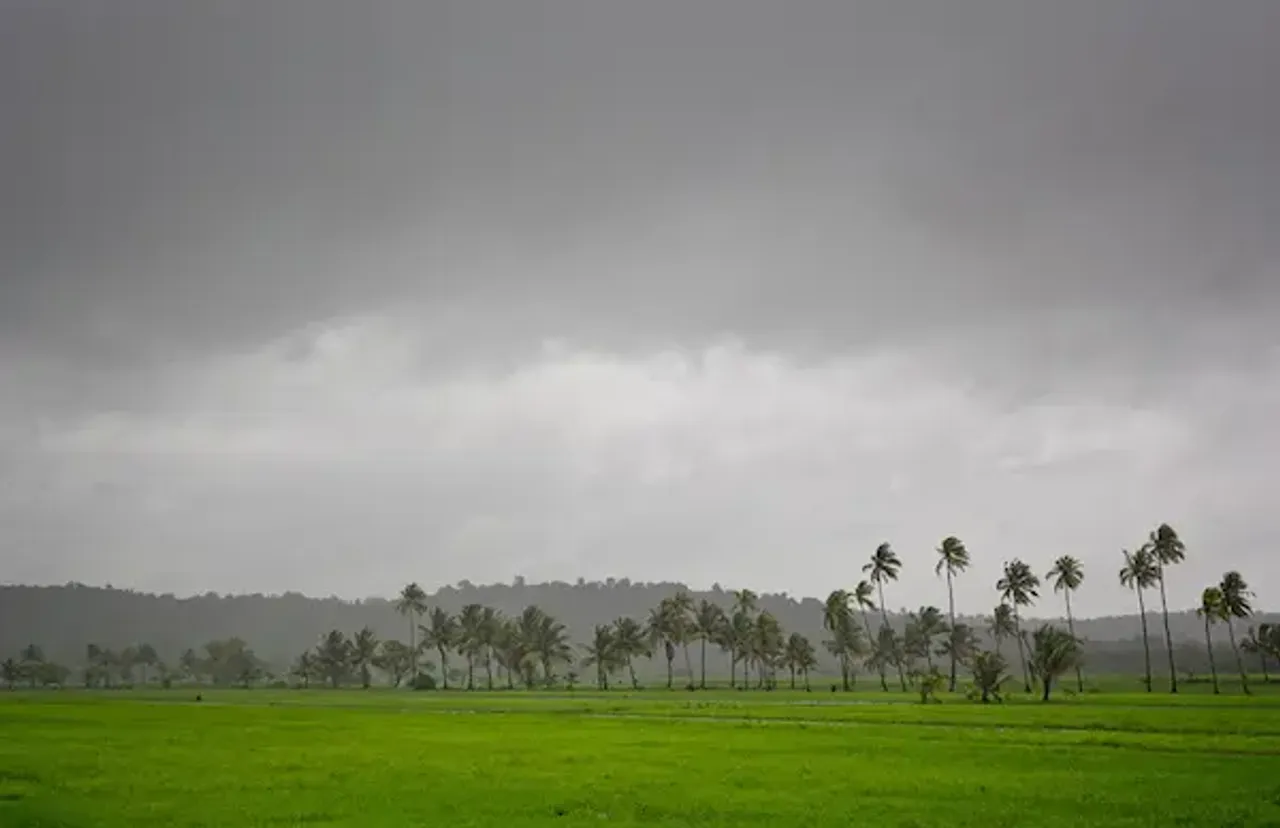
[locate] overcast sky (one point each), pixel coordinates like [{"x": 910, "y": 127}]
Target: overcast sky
[{"x": 327, "y": 296}]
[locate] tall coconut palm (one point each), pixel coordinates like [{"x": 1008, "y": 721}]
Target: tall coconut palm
[
  {"x": 837, "y": 617},
  {"x": 1167, "y": 550},
  {"x": 1003, "y": 625},
  {"x": 662, "y": 633},
  {"x": 734, "y": 638},
  {"x": 1236, "y": 604},
  {"x": 707, "y": 620},
  {"x": 490, "y": 627},
  {"x": 680, "y": 606},
  {"x": 1211, "y": 611},
  {"x": 1019, "y": 587},
  {"x": 884, "y": 566},
  {"x": 1066, "y": 575},
  {"x": 953, "y": 559},
  {"x": 602, "y": 653},
  {"x": 1140, "y": 572},
  {"x": 412, "y": 603},
  {"x": 863, "y": 598},
  {"x": 440, "y": 632}
]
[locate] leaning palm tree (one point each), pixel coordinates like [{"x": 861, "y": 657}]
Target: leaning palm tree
[
  {"x": 1236, "y": 604},
  {"x": 1019, "y": 587},
  {"x": 1066, "y": 575},
  {"x": 441, "y": 632},
  {"x": 837, "y": 617},
  {"x": 1166, "y": 550},
  {"x": 953, "y": 559},
  {"x": 470, "y": 641},
  {"x": 412, "y": 603},
  {"x": 1211, "y": 611},
  {"x": 1002, "y": 626},
  {"x": 863, "y": 598},
  {"x": 884, "y": 566},
  {"x": 1053, "y": 652},
  {"x": 1138, "y": 573},
  {"x": 846, "y": 644},
  {"x": 707, "y": 619}
]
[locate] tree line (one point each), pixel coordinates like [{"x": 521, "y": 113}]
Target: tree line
[{"x": 481, "y": 647}]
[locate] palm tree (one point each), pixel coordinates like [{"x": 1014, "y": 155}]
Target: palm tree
[
  {"x": 306, "y": 668},
  {"x": 509, "y": 650},
  {"x": 411, "y": 604},
  {"x": 953, "y": 559},
  {"x": 1166, "y": 549},
  {"x": 765, "y": 646},
  {"x": 32, "y": 658},
  {"x": 862, "y": 597},
  {"x": 837, "y": 617},
  {"x": 884, "y": 566},
  {"x": 333, "y": 655},
  {"x": 733, "y": 639},
  {"x": 988, "y": 674},
  {"x": 1236, "y": 604},
  {"x": 551, "y": 645},
  {"x": 1053, "y": 652},
  {"x": 1002, "y": 626},
  {"x": 470, "y": 641},
  {"x": 707, "y": 621},
  {"x": 602, "y": 654},
  {"x": 744, "y": 601},
  {"x": 922, "y": 628},
  {"x": 961, "y": 643},
  {"x": 1019, "y": 587},
  {"x": 1255, "y": 643},
  {"x": 1140, "y": 572},
  {"x": 440, "y": 632},
  {"x": 629, "y": 638},
  {"x": 799, "y": 657},
  {"x": 681, "y": 608},
  {"x": 1066, "y": 575},
  {"x": 1211, "y": 611},
  {"x": 490, "y": 626},
  {"x": 659, "y": 630},
  {"x": 364, "y": 649}
]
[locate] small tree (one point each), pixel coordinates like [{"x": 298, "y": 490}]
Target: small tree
[
  {"x": 1053, "y": 653},
  {"x": 988, "y": 668}
]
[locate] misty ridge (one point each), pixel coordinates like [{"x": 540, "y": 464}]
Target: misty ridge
[{"x": 62, "y": 620}]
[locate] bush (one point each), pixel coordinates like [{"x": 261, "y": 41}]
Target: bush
[{"x": 423, "y": 681}]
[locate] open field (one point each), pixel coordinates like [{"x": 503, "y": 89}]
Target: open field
[{"x": 243, "y": 758}]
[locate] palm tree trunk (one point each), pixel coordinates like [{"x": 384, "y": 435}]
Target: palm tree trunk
[
  {"x": 733, "y": 672},
  {"x": 1146, "y": 647},
  {"x": 471, "y": 672},
  {"x": 703, "y": 682},
  {"x": 793, "y": 677},
  {"x": 670, "y": 669},
  {"x": 1047, "y": 682},
  {"x": 1168, "y": 639},
  {"x": 688, "y": 664},
  {"x": 1071, "y": 628},
  {"x": 1022, "y": 659},
  {"x": 1244, "y": 678},
  {"x": 631, "y": 669},
  {"x": 806, "y": 679},
  {"x": 444, "y": 667},
  {"x": 488, "y": 668},
  {"x": 884, "y": 614},
  {"x": 1208, "y": 643},
  {"x": 951, "y": 608},
  {"x": 413, "y": 649}
]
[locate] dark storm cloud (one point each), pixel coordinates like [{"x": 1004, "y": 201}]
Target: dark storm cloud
[{"x": 183, "y": 176}]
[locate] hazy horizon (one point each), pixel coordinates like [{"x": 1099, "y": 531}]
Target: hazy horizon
[{"x": 305, "y": 296}]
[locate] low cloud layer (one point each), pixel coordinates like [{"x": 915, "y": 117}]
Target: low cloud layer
[{"x": 299, "y": 297}]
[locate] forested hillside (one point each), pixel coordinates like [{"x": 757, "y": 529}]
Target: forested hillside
[{"x": 63, "y": 620}]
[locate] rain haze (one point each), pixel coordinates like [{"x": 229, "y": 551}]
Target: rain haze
[{"x": 326, "y": 297}]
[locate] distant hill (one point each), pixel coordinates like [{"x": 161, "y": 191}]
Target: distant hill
[{"x": 63, "y": 619}]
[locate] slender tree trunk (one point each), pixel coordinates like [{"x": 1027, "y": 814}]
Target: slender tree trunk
[
  {"x": 1244, "y": 678},
  {"x": 866, "y": 622},
  {"x": 703, "y": 682},
  {"x": 1168, "y": 639},
  {"x": 1022, "y": 659},
  {"x": 1047, "y": 682},
  {"x": 670, "y": 670},
  {"x": 688, "y": 664},
  {"x": 511, "y": 678},
  {"x": 413, "y": 649},
  {"x": 951, "y": 608},
  {"x": 806, "y": 679},
  {"x": 793, "y": 677},
  {"x": 733, "y": 672},
  {"x": 1146, "y": 646},
  {"x": 471, "y": 672},
  {"x": 902, "y": 676},
  {"x": 444, "y": 667},
  {"x": 1071, "y": 628},
  {"x": 844, "y": 671},
  {"x": 631, "y": 669},
  {"x": 488, "y": 668},
  {"x": 1208, "y": 643}
]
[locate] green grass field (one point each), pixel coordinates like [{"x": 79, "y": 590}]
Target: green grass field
[{"x": 352, "y": 758}]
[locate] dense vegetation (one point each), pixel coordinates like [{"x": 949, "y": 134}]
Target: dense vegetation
[{"x": 481, "y": 646}]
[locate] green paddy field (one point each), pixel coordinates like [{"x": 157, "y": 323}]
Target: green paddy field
[{"x": 384, "y": 758}]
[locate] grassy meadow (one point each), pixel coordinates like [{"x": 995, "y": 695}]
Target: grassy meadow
[{"x": 375, "y": 758}]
